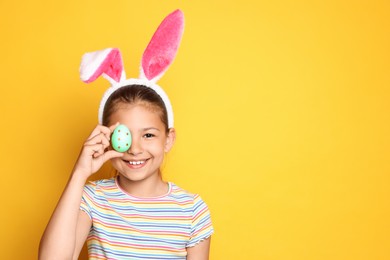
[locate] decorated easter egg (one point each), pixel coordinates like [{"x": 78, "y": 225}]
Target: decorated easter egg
[{"x": 121, "y": 139}]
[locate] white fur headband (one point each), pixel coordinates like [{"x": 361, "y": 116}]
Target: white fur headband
[{"x": 156, "y": 59}]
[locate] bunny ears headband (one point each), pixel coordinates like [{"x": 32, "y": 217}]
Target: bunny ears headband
[{"x": 156, "y": 59}]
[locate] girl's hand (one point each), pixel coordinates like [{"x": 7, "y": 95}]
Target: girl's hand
[{"x": 94, "y": 152}]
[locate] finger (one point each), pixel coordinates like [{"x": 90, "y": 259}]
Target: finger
[
  {"x": 94, "y": 150},
  {"x": 110, "y": 155},
  {"x": 107, "y": 131},
  {"x": 98, "y": 153},
  {"x": 112, "y": 128},
  {"x": 98, "y": 130},
  {"x": 98, "y": 139}
]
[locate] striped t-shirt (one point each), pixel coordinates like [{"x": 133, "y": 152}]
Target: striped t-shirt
[{"x": 127, "y": 227}]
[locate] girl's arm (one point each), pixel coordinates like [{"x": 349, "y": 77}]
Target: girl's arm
[
  {"x": 83, "y": 227},
  {"x": 68, "y": 227},
  {"x": 200, "y": 251},
  {"x": 59, "y": 238}
]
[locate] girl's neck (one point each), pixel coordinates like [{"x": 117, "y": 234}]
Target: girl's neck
[{"x": 150, "y": 188}]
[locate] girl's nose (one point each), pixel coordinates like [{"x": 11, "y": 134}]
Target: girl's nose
[{"x": 135, "y": 148}]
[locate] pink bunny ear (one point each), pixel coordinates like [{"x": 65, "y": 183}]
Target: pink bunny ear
[
  {"x": 163, "y": 46},
  {"x": 107, "y": 62}
]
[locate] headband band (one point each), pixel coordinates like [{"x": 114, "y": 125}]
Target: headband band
[{"x": 156, "y": 59}]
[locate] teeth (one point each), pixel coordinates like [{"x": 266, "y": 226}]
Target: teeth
[{"x": 136, "y": 162}]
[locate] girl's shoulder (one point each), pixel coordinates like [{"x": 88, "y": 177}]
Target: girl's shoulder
[
  {"x": 102, "y": 182},
  {"x": 178, "y": 191},
  {"x": 184, "y": 195},
  {"x": 92, "y": 187}
]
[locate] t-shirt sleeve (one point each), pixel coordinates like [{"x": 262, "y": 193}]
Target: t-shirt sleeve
[
  {"x": 87, "y": 198},
  {"x": 201, "y": 227}
]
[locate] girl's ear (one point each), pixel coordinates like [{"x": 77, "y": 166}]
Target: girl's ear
[
  {"x": 163, "y": 46},
  {"x": 171, "y": 137},
  {"x": 107, "y": 62}
]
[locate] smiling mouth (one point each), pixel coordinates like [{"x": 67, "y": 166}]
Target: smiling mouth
[{"x": 136, "y": 163}]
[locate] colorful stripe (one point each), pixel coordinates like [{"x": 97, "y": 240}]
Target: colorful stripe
[{"x": 126, "y": 227}]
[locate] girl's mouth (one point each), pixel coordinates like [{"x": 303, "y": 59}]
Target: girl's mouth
[{"x": 136, "y": 163}]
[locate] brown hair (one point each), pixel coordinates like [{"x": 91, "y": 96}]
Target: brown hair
[{"x": 135, "y": 94}]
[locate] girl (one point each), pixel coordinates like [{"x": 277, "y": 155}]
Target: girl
[{"x": 135, "y": 215}]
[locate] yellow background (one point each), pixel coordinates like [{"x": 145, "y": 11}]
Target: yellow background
[{"x": 281, "y": 108}]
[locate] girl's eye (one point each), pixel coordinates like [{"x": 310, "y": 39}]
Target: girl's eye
[{"x": 149, "y": 135}]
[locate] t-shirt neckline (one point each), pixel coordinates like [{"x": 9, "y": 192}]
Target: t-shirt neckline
[{"x": 143, "y": 198}]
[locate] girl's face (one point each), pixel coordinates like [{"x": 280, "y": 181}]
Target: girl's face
[{"x": 149, "y": 142}]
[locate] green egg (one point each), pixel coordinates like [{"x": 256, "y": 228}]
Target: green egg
[{"x": 121, "y": 139}]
